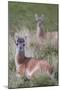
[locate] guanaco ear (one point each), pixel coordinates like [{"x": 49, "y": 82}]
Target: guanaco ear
[
  {"x": 25, "y": 39},
  {"x": 16, "y": 37},
  {"x": 42, "y": 16},
  {"x": 36, "y": 16}
]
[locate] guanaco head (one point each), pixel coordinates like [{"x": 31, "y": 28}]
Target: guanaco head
[
  {"x": 39, "y": 19},
  {"x": 40, "y": 25},
  {"x": 20, "y": 44}
]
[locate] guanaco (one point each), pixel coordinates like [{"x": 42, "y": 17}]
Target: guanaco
[
  {"x": 42, "y": 36},
  {"x": 28, "y": 66}
]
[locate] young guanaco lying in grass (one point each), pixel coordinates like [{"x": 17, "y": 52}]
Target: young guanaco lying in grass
[{"x": 28, "y": 66}]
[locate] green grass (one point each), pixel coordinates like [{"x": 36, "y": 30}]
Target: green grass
[
  {"x": 21, "y": 15},
  {"x": 43, "y": 80},
  {"x": 39, "y": 81}
]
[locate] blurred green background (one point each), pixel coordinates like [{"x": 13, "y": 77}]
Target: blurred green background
[{"x": 22, "y": 14}]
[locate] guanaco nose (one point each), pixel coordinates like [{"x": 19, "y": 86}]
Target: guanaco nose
[{"x": 20, "y": 47}]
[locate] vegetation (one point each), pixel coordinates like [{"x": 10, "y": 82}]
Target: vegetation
[
  {"x": 21, "y": 17},
  {"x": 22, "y": 14}
]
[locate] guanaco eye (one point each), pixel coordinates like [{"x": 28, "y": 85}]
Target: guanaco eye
[
  {"x": 17, "y": 44},
  {"x": 23, "y": 44}
]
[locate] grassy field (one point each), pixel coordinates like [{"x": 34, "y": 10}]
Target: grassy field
[{"x": 21, "y": 19}]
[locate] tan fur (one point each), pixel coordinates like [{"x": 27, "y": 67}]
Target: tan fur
[
  {"x": 30, "y": 66},
  {"x": 48, "y": 38}
]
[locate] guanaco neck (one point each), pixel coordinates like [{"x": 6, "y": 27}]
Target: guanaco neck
[
  {"x": 20, "y": 57},
  {"x": 40, "y": 31}
]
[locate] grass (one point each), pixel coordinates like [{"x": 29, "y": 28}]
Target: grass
[
  {"x": 45, "y": 80},
  {"x": 21, "y": 16},
  {"x": 39, "y": 81}
]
